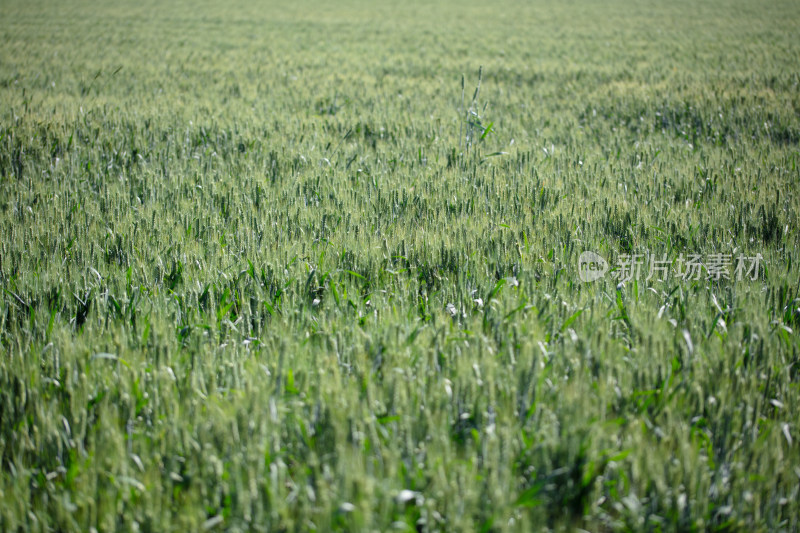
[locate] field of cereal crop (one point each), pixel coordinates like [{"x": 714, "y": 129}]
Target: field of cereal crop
[{"x": 438, "y": 266}]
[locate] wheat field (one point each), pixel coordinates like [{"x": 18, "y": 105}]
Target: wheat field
[{"x": 322, "y": 266}]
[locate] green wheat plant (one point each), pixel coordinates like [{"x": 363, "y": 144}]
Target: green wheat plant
[{"x": 471, "y": 125}]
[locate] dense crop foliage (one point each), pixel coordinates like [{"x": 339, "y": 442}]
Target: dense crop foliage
[{"x": 275, "y": 268}]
